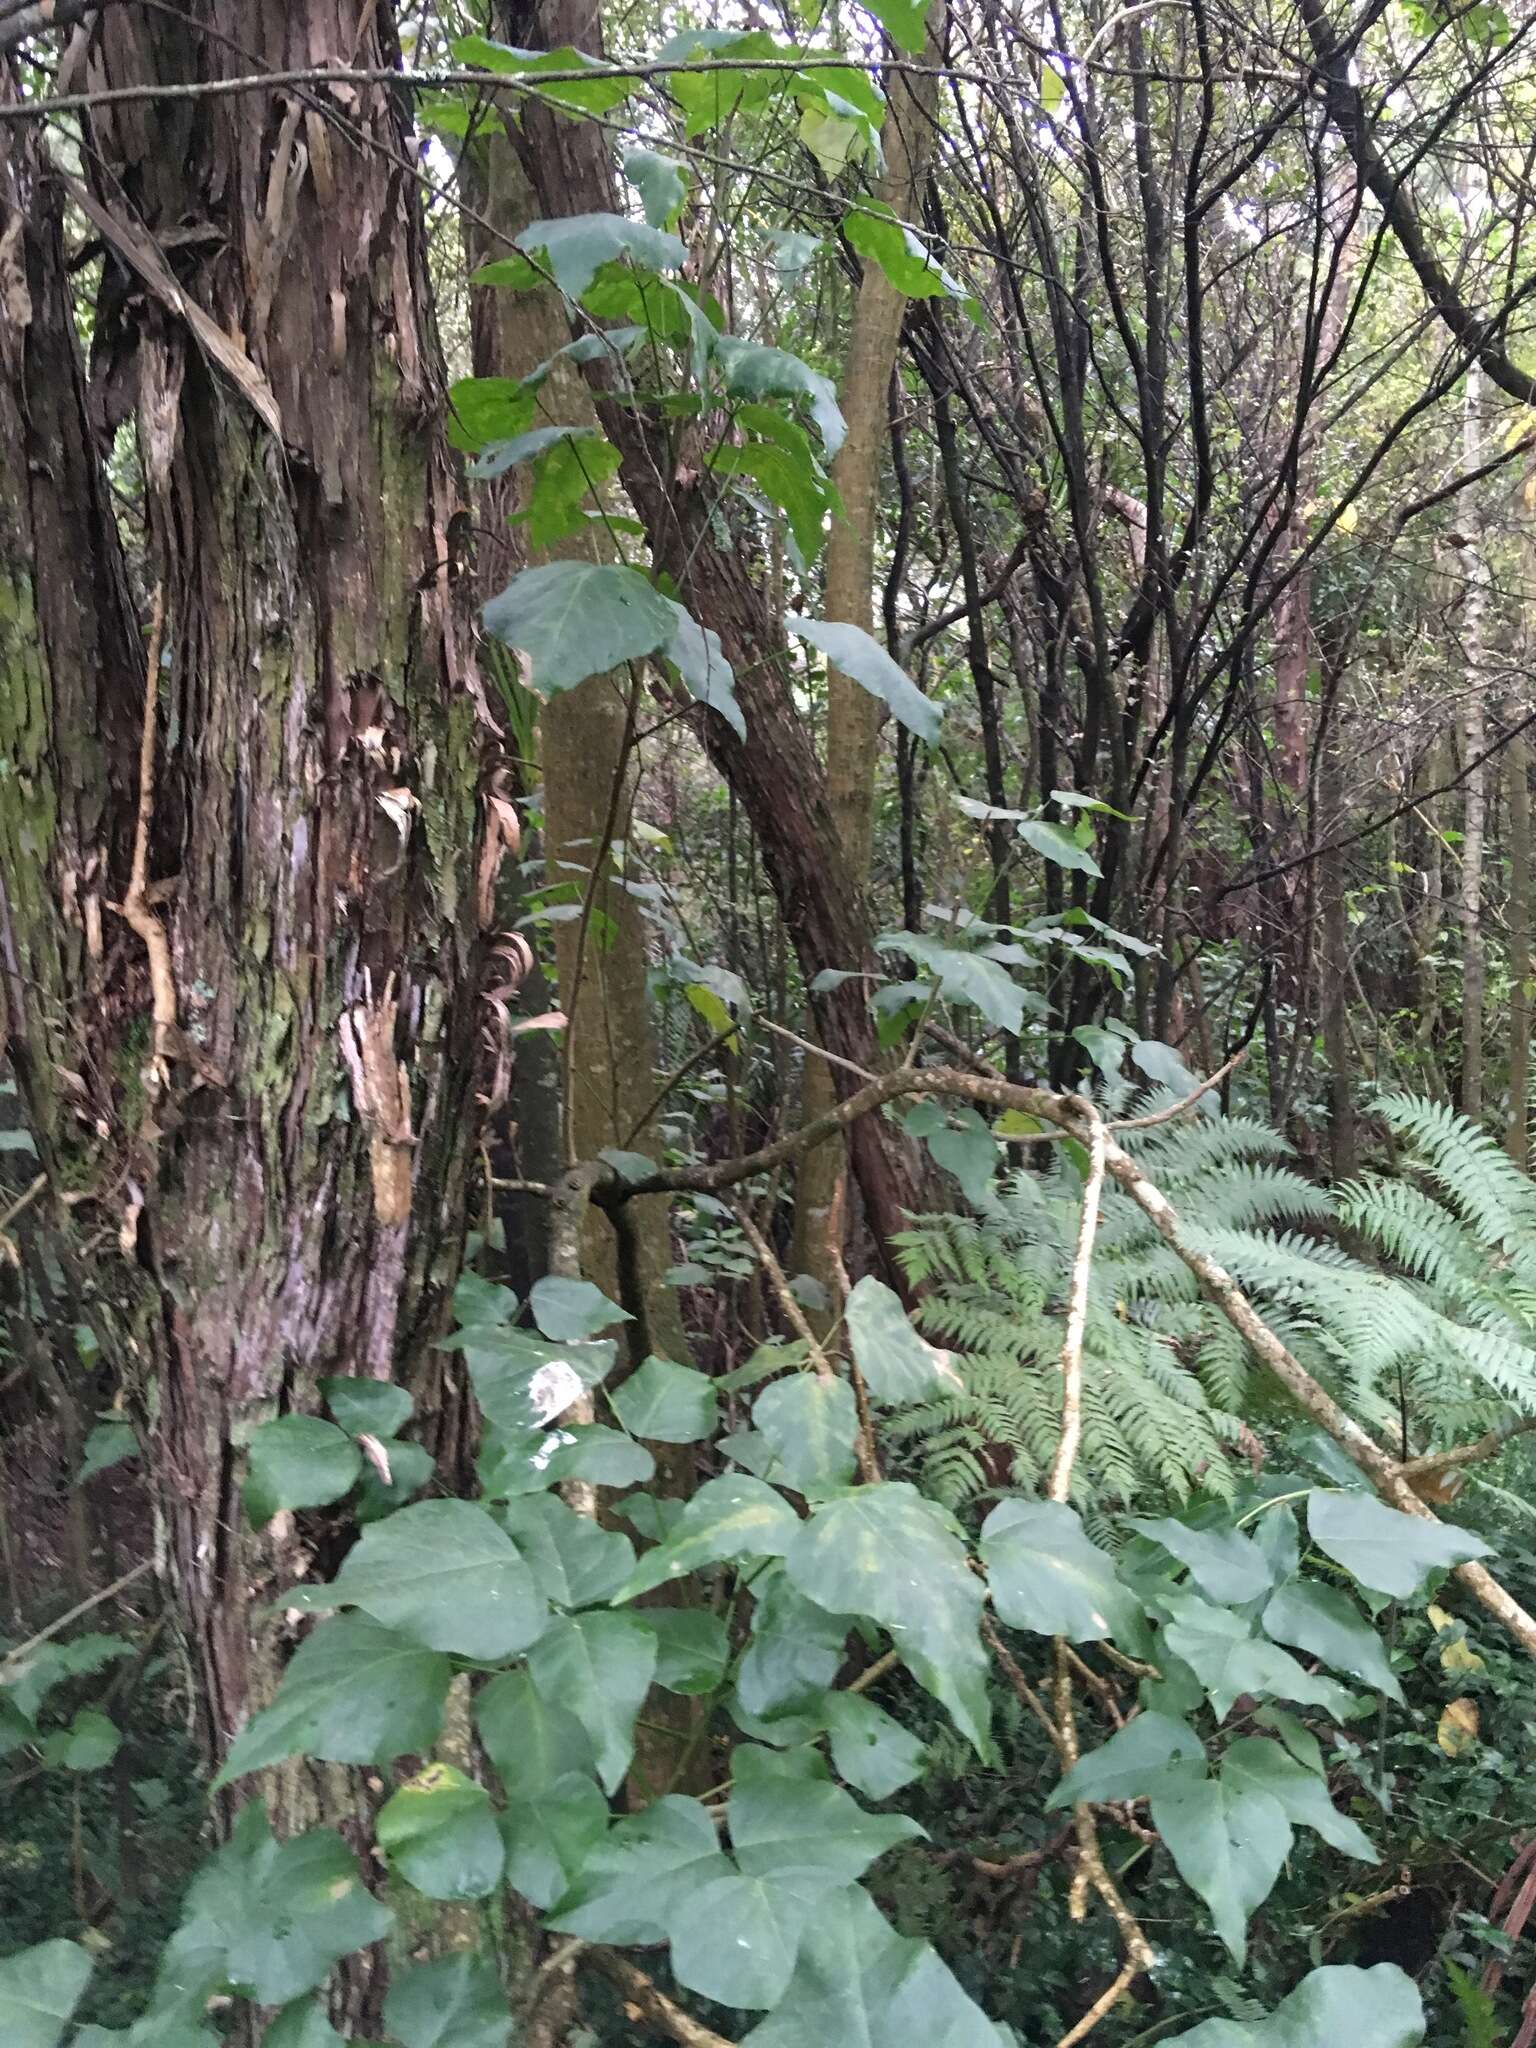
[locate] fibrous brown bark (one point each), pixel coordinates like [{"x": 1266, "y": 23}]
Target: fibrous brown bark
[{"x": 287, "y": 1178}]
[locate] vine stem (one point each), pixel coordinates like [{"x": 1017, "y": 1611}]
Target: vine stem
[{"x": 1059, "y": 1484}]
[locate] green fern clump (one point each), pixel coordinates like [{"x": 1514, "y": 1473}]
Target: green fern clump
[
  {"x": 1166, "y": 1380},
  {"x": 1428, "y": 1327}
]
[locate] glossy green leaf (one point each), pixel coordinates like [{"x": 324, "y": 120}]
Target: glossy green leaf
[
  {"x": 812, "y": 1422},
  {"x": 567, "y": 1311},
  {"x": 727, "y": 1518},
  {"x": 277, "y": 1915},
  {"x": 1228, "y": 1838},
  {"x": 576, "y": 1561},
  {"x": 753, "y": 372},
  {"x": 600, "y": 1666},
  {"x": 1160, "y": 1063},
  {"x": 575, "y": 619},
  {"x": 410, "y": 1469},
  {"x": 455, "y": 2002},
  {"x": 670, "y": 1404},
  {"x": 795, "y": 1650},
  {"x": 897, "y": 1364},
  {"x": 605, "y": 1457},
  {"x": 860, "y": 656},
  {"x": 33, "y": 1675},
  {"x": 964, "y": 1146},
  {"x": 648, "y": 1865},
  {"x": 497, "y": 457},
  {"x": 695, "y": 652},
  {"x": 550, "y": 1837},
  {"x": 909, "y": 264},
  {"x": 1047, "y": 1576},
  {"x": 483, "y": 409},
  {"x": 963, "y": 977},
  {"x": 440, "y": 1834},
  {"x": 858, "y": 1984},
  {"x": 299, "y": 1461},
  {"x": 1131, "y": 1765},
  {"x": 523, "y": 1381},
  {"x": 563, "y": 497},
  {"x": 39, "y": 1990},
  {"x": 532, "y": 1741},
  {"x": 598, "y": 95},
  {"x": 1255, "y": 1761},
  {"x": 1056, "y": 845},
  {"x": 1225, "y": 1564},
  {"x": 904, "y": 21},
  {"x": 576, "y": 246},
  {"x": 444, "y": 1574},
  {"x": 870, "y": 1748},
  {"x": 881, "y": 1551},
  {"x": 1335, "y": 2007},
  {"x": 796, "y": 484},
  {"x": 737, "y": 1940},
  {"x": 1228, "y": 1659},
  {"x": 692, "y": 1647},
  {"x": 661, "y": 182},
  {"x": 788, "y": 1822},
  {"x": 353, "y": 1692},
  {"x": 1392, "y": 1553},
  {"x": 367, "y": 1407},
  {"x": 1322, "y": 1621}
]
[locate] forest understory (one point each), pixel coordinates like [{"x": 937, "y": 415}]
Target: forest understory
[{"x": 767, "y": 1240}]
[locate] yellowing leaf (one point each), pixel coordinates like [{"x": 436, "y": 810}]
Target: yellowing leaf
[
  {"x": 1520, "y": 428},
  {"x": 1458, "y": 1655},
  {"x": 1349, "y": 519},
  {"x": 829, "y": 138},
  {"x": 1459, "y": 1726}
]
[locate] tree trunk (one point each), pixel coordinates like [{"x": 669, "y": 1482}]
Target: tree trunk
[
  {"x": 1517, "y": 769},
  {"x": 774, "y": 772},
  {"x": 1469, "y": 901},
  {"x": 853, "y": 715},
  {"x": 262, "y": 1072},
  {"x": 609, "y": 1055}
]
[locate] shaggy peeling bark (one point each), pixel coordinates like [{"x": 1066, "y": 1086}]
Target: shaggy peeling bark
[{"x": 284, "y": 1165}]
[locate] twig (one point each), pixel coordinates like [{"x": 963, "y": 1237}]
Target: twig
[
  {"x": 1103, "y": 2005},
  {"x": 135, "y": 909},
  {"x": 833, "y": 1059},
  {"x": 1059, "y": 1484},
  {"x": 1164, "y": 1116},
  {"x": 8, "y": 1215},
  {"x": 117, "y": 1586},
  {"x": 648, "y": 2001},
  {"x": 869, "y": 1468},
  {"x": 1313, "y": 1399},
  {"x": 872, "y": 1673},
  {"x": 1486, "y": 1446},
  {"x": 1023, "y": 1691},
  {"x": 1091, "y": 1872},
  {"x": 694, "y": 1059}
]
